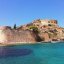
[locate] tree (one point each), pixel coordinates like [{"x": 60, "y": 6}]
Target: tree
[{"x": 14, "y": 26}]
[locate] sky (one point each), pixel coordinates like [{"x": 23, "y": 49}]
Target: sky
[{"x": 21, "y": 12}]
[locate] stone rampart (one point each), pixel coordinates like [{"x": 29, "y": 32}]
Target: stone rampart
[{"x": 8, "y": 35}]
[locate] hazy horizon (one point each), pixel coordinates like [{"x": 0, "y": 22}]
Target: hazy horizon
[{"x": 22, "y": 12}]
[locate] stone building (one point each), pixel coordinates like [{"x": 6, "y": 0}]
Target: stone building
[{"x": 40, "y": 22}]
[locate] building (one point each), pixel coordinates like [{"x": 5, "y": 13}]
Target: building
[{"x": 40, "y": 22}]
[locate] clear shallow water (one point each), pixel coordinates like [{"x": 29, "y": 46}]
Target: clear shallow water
[{"x": 44, "y": 53}]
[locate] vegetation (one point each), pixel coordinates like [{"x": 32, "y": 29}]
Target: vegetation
[
  {"x": 14, "y": 26},
  {"x": 34, "y": 28}
]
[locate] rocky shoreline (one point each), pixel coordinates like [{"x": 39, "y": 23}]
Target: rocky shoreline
[{"x": 27, "y": 43}]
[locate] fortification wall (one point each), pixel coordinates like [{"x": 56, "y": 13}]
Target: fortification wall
[
  {"x": 24, "y": 36},
  {"x": 11, "y": 36}
]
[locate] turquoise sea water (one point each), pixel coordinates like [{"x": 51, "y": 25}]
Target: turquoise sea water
[{"x": 43, "y": 53}]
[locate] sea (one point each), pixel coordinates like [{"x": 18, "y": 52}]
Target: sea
[{"x": 41, "y": 53}]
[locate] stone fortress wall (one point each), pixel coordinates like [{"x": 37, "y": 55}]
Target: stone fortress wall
[{"x": 8, "y": 35}]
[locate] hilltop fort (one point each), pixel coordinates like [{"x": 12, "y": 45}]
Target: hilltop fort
[{"x": 37, "y": 31}]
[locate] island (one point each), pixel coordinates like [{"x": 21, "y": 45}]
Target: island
[{"x": 37, "y": 31}]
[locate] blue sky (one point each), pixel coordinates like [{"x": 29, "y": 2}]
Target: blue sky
[{"x": 25, "y": 11}]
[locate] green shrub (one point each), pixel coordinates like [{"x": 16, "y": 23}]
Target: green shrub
[{"x": 34, "y": 28}]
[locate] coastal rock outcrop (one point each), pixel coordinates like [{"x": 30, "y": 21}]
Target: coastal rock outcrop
[{"x": 37, "y": 31}]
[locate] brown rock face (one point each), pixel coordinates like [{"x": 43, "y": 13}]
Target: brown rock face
[{"x": 44, "y": 36}]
